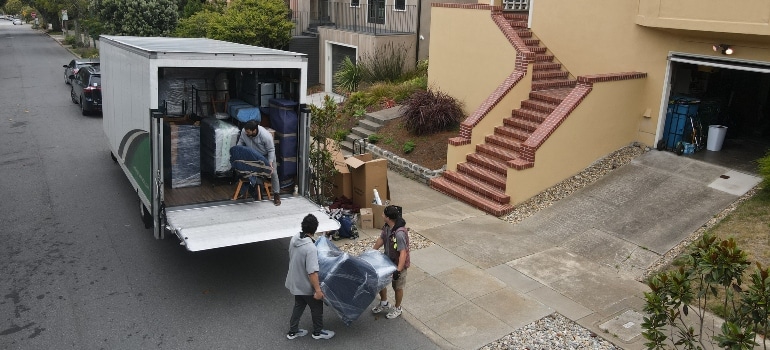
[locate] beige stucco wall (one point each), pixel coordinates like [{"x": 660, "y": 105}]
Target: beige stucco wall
[
  {"x": 601, "y": 36},
  {"x": 585, "y": 136},
  {"x": 470, "y": 57},
  {"x": 424, "y": 26},
  {"x": 366, "y": 45},
  {"x": 744, "y": 17}
]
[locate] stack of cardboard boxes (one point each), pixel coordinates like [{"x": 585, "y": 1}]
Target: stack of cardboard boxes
[{"x": 357, "y": 177}]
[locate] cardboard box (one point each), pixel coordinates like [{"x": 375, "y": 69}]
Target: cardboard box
[
  {"x": 368, "y": 174},
  {"x": 342, "y": 181},
  {"x": 366, "y": 218}
]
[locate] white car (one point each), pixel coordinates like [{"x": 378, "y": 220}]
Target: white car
[{"x": 17, "y": 21}]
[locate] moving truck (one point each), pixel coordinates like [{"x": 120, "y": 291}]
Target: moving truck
[{"x": 172, "y": 107}]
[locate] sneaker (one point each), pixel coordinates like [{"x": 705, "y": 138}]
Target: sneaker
[
  {"x": 297, "y": 334},
  {"x": 380, "y": 308},
  {"x": 324, "y": 334},
  {"x": 394, "y": 312}
]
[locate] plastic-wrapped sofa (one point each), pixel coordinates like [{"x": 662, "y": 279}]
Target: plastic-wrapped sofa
[{"x": 351, "y": 283}]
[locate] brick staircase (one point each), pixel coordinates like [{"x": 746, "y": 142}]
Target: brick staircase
[{"x": 481, "y": 180}]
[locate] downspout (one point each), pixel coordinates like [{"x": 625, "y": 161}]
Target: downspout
[{"x": 419, "y": 19}]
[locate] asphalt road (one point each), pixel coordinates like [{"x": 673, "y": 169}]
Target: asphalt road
[{"x": 79, "y": 271}]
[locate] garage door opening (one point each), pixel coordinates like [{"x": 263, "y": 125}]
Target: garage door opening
[
  {"x": 731, "y": 93},
  {"x": 334, "y": 61}
]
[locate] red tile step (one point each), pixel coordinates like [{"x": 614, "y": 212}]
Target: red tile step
[
  {"x": 479, "y": 187},
  {"x": 552, "y": 96},
  {"x": 512, "y": 132},
  {"x": 479, "y": 172},
  {"x": 504, "y": 141},
  {"x": 488, "y": 162},
  {"x": 522, "y": 124},
  {"x": 453, "y": 189},
  {"x": 547, "y": 84},
  {"x": 550, "y": 74},
  {"x": 538, "y": 105},
  {"x": 496, "y": 151},
  {"x": 540, "y": 66},
  {"x": 530, "y": 114},
  {"x": 515, "y": 16}
]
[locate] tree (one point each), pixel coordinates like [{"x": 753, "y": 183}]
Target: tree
[
  {"x": 254, "y": 22},
  {"x": 13, "y": 7},
  {"x": 196, "y": 25},
  {"x": 138, "y": 17}
]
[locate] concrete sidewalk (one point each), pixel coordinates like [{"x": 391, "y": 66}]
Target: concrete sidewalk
[{"x": 581, "y": 257}]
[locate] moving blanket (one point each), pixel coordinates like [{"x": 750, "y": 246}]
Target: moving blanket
[
  {"x": 351, "y": 283},
  {"x": 243, "y": 111},
  {"x": 249, "y": 162}
]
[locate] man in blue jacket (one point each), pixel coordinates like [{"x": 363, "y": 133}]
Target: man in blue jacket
[{"x": 302, "y": 281}]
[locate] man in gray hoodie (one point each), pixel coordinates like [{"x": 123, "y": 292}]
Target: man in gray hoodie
[{"x": 302, "y": 281}]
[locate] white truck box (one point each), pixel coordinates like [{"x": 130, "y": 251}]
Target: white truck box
[{"x": 148, "y": 81}]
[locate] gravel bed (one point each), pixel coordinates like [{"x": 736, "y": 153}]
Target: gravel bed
[
  {"x": 358, "y": 246},
  {"x": 551, "y": 332}
]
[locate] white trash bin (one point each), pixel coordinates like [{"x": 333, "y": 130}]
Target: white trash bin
[{"x": 716, "y": 137}]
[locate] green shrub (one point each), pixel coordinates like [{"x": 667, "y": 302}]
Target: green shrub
[
  {"x": 374, "y": 138},
  {"x": 385, "y": 64},
  {"x": 340, "y": 135},
  {"x": 348, "y": 76},
  {"x": 408, "y": 147},
  {"x": 429, "y": 112},
  {"x": 70, "y": 40}
]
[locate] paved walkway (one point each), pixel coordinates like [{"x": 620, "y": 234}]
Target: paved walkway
[{"x": 485, "y": 278}]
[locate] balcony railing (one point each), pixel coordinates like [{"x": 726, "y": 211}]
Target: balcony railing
[{"x": 372, "y": 19}]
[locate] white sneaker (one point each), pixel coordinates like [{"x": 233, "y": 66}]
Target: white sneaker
[
  {"x": 324, "y": 334},
  {"x": 380, "y": 308},
  {"x": 394, "y": 312},
  {"x": 299, "y": 333}
]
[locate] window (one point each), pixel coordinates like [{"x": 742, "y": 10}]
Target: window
[
  {"x": 376, "y": 12},
  {"x": 400, "y": 5},
  {"x": 516, "y": 5},
  {"x": 355, "y": 3}
]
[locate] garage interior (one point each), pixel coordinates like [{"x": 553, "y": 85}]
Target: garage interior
[{"x": 730, "y": 93}]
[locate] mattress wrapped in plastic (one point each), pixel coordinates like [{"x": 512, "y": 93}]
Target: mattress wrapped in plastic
[
  {"x": 182, "y": 155},
  {"x": 351, "y": 283},
  {"x": 217, "y": 137},
  {"x": 243, "y": 111}
]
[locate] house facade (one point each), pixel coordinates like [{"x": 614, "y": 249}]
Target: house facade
[
  {"x": 332, "y": 30},
  {"x": 556, "y": 85}
]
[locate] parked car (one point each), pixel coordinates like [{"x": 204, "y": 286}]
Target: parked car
[
  {"x": 74, "y": 65},
  {"x": 17, "y": 21},
  {"x": 87, "y": 89}
]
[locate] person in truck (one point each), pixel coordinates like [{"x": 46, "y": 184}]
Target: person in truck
[{"x": 260, "y": 141}]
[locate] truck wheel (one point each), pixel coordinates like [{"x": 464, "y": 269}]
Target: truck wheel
[
  {"x": 146, "y": 216},
  {"x": 83, "y": 110}
]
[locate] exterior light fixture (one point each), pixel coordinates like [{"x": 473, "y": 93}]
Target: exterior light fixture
[{"x": 725, "y": 49}]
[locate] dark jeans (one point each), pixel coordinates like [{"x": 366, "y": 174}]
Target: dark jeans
[{"x": 316, "y": 312}]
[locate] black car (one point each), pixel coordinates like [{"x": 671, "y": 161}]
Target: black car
[
  {"x": 74, "y": 65},
  {"x": 87, "y": 89}
]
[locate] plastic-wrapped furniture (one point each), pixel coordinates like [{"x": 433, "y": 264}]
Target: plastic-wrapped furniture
[{"x": 351, "y": 283}]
